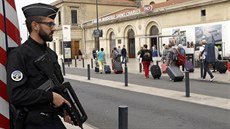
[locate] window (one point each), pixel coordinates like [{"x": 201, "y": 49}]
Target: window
[
  {"x": 74, "y": 17},
  {"x": 203, "y": 12},
  {"x": 59, "y": 18}
]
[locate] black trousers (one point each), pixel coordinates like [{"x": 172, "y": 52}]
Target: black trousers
[
  {"x": 39, "y": 120},
  {"x": 206, "y": 70}
]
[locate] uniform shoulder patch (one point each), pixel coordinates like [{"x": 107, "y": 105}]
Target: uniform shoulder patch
[{"x": 16, "y": 75}]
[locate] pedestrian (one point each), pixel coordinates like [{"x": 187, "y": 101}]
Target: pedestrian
[
  {"x": 163, "y": 48},
  {"x": 116, "y": 57},
  {"x": 139, "y": 54},
  {"x": 124, "y": 54},
  {"x": 101, "y": 60},
  {"x": 217, "y": 57},
  {"x": 24, "y": 78},
  {"x": 164, "y": 53},
  {"x": 94, "y": 53},
  {"x": 80, "y": 55},
  {"x": 146, "y": 56},
  {"x": 155, "y": 53},
  {"x": 202, "y": 57},
  {"x": 119, "y": 49},
  {"x": 181, "y": 51},
  {"x": 171, "y": 56}
]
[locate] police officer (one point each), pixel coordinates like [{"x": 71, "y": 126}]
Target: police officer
[{"x": 24, "y": 78}]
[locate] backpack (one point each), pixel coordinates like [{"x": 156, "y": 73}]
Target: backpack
[
  {"x": 116, "y": 54},
  {"x": 181, "y": 57},
  {"x": 147, "y": 56},
  {"x": 155, "y": 53},
  {"x": 209, "y": 52}
]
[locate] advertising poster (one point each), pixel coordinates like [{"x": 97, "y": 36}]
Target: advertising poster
[{"x": 212, "y": 33}]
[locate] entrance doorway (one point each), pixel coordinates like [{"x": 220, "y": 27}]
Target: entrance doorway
[
  {"x": 112, "y": 42},
  {"x": 131, "y": 43},
  {"x": 153, "y": 41},
  {"x": 74, "y": 49}
]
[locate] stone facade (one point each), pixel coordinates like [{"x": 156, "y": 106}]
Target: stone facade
[
  {"x": 86, "y": 11},
  {"x": 136, "y": 28}
]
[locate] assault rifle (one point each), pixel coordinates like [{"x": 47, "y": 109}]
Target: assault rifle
[{"x": 76, "y": 111}]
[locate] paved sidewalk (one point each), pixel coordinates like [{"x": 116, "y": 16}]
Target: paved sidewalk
[{"x": 133, "y": 67}]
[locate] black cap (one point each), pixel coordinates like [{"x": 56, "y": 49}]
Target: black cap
[{"x": 40, "y": 9}]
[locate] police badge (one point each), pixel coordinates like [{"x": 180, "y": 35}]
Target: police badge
[{"x": 16, "y": 75}]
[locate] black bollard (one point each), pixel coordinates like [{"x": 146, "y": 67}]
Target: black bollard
[
  {"x": 88, "y": 69},
  {"x": 123, "y": 117},
  {"x": 75, "y": 61},
  {"x": 126, "y": 74},
  {"x": 63, "y": 66},
  {"x": 91, "y": 63},
  {"x": 140, "y": 67},
  {"x": 187, "y": 87}
]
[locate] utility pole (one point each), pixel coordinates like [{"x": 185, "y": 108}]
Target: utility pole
[{"x": 97, "y": 42}]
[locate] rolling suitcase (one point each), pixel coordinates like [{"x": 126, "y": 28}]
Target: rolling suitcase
[
  {"x": 155, "y": 71},
  {"x": 228, "y": 66},
  {"x": 96, "y": 69},
  {"x": 221, "y": 67},
  {"x": 189, "y": 66},
  {"x": 107, "y": 69},
  {"x": 175, "y": 73},
  {"x": 117, "y": 67}
]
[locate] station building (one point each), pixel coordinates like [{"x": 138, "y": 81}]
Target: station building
[{"x": 134, "y": 23}]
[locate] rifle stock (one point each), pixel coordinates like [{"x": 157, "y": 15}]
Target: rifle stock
[{"x": 76, "y": 111}]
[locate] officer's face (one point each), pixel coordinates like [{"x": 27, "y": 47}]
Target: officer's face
[{"x": 46, "y": 29}]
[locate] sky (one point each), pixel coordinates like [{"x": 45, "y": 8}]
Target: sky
[{"x": 21, "y": 17}]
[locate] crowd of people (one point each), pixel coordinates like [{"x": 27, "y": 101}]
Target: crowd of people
[
  {"x": 118, "y": 55},
  {"x": 170, "y": 55}
]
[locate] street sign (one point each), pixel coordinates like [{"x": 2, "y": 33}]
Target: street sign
[{"x": 97, "y": 33}]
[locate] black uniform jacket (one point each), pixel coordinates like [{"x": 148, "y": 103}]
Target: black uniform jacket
[{"x": 23, "y": 77}]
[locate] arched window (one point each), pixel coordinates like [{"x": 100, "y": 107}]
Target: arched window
[
  {"x": 131, "y": 43},
  {"x": 153, "y": 31},
  {"x": 130, "y": 33},
  {"x": 112, "y": 42}
]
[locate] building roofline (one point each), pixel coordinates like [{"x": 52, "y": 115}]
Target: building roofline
[{"x": 161, "y": 8}]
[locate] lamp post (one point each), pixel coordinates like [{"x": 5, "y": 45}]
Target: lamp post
[{"x": 97, "y": 43}]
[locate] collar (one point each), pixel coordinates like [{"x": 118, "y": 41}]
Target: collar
[{"x": 33, "y": 43}]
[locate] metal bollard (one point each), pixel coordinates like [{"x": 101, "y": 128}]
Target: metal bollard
[
  {"x": 88, "y": 69},
  {"x": 187, "y": 87},
  {"x": 75, "y": 60},
  {"x": 91, "y": 63},
  {"x": 63, "y": 66},
  {"x": 126, "y": 74},
  {"x": 123, "y": 117},
  {"x": 140, "y": 67}
]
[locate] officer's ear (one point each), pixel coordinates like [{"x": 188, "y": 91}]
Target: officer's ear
[{"x": 35, "y": 26}]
